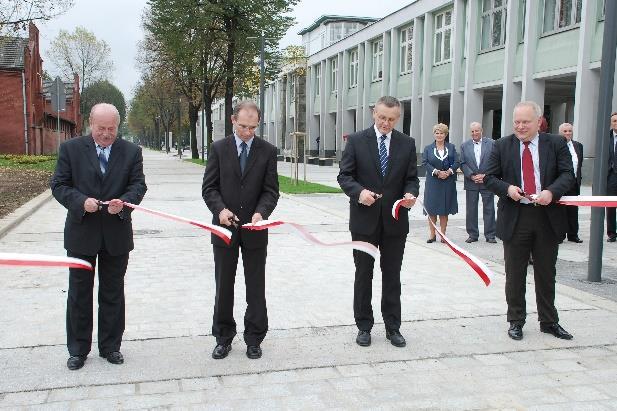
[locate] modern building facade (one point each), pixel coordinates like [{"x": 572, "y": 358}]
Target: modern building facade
[{"x": 453, "y": 61}]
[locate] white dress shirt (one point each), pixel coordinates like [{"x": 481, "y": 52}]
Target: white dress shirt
[
  {"x": 574, "y": 156},
  {"x": 533, "y": 147},
  {"x": 386, "y": 141},
  {"x": 477, "y": 151}
]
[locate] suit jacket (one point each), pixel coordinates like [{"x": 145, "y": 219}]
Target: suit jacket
[
  {"x": 78, "y": 176},
  {"x": 255, "y": 191},
  {"x": 468, "y": 162},
  {"x": 360, "y": 169},
  {"x": 576, "y": 187},
  {"x": 556, "y": 175},
  {"x": 611, "y": 151}
]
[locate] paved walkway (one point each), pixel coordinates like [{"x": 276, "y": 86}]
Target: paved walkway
[{"x": 458, "y": 355}]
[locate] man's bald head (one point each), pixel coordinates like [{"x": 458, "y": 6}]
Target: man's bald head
[
  {"x": 475, "y": 129},
  {"x": 104, "y": 122}
]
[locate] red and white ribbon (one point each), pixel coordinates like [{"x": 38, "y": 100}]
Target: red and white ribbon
[
  {"x": 303, "y": 232},
  {"x": 474, "y": 262},
  {"x": 219, "y": 231},
  {"x": 589, "y": 201},
  {"x": 40, "y": 260}
]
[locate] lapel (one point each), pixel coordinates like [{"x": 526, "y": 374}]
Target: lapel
[
  {"x": 90, "y": 151},
  {"x": 515, "y": 153},
  {"x": 484, "y": 152},
  {"x": 232, "y": 155},
  {"x": 115, "y": 156},
  {"x": 371, "y": 141},
  {"x": 543, "y": 147},
  {"x": 395, "y": 147},
  {"x": 253, "y": 154},
  {"x": 611, "y": 145}
]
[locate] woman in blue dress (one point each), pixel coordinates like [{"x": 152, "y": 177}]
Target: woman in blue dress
[{"x": 440, "y": 161}]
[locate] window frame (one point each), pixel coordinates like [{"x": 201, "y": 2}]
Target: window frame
[
  {"x": 491, "y": 14},
  {"x": 442, "y": 30},
  {"x": 377, "y": 53},
  {"x": 405, "y": 49},
  {"x": 353, "y": 68},
  {"x": 573, "y": 17},
  {"x": 318, "y": 79},
  {"x": 334, "y": 75}
]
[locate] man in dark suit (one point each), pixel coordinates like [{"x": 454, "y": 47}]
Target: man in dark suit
[
  {"x": 241, "y": 186},
  {"x": 611, "y": 180},
  {"x": 378, "y": 167},
  {"x": 474, "y": 157},
  {"x": 93, "y": 169},
  {"x": 576, "y": 152},
  {"x": 529, "y": 172}
]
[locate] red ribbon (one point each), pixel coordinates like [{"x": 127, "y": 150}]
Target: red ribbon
[
  {"x": 589, "y": 201},
  {"x": 474, "y": 262},
  {"x": 40, "y": 260}
]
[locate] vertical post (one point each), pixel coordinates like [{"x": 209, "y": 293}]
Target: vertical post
[
  {"x": 607, "y": 74},
  {"x": 262, "y": 80},
  {"x": 58, "y": 112},
  {"x": 203, "y": 121},
  {"x": 178, "y": 140}
]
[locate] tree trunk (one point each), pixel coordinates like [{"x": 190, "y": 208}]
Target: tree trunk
[
  {"x": 193, "y": 117},
  {"x": 229, "y": 73},
  {"x": 208, "y": 112}
]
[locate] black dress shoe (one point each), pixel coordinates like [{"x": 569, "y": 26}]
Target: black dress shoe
[
  {"x": 491, "y": 240},
  {"x": 612, "y": 239},
  {"x": 395, "y": 337},
  {"x": 556, "y": 330},
  {"x": 515, "y": 331},
  {"x": 253, "y": 352},
  {"x": 431, "y": 240},
  {"x": 221, "y": 351},
  {"x": 471, "y": 240},
  {"x": 114, "y": 357},
  {"x": 575, "y": 240},
  {"x": 75, "y": 362},
  {"x": 364, "y": 338}
]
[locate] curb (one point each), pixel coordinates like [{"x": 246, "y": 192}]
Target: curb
[{"x": 16, "y": 217}]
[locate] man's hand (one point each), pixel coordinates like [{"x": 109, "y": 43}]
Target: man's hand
[
  {"x": 409, "y": 200},
  {"x": 515, "y": 193},
  {"x": 545, "y": 198},
  {"x": 115, "y": 206},
  {"x": 367, "y": 197},
  {"x": 256, "y": 217},
  {"x": 91, "y": 205},
  {"x": 478, "y": 178},
  {"x": 227, "y": 218}
]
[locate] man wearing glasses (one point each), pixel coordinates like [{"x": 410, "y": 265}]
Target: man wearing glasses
[{"x": 241, "y": 186}]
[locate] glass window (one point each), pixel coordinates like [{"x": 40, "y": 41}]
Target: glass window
[
  {"x": 522, "y": 12},
  {"x": 336, "y": 32},
  {"x": 377, "y": 67},
  {"x": 561, "y": 13},
  {"x": 602, "y": 9},
  {"x": 353, "y": 68},
  {"x": 493, "y": 23},
  {"x": 443, "y": 35},
  {"x": 406, "y": 55},
  {"x": 317, "y": 79},
  {"x": 334, "y": 74}
]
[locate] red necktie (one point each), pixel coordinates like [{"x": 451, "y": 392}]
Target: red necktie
[{"x": 529, "y": 180}]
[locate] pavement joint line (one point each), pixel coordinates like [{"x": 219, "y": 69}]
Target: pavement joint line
[
  {"x": 323, "y": 327},
  {"x": 316, "y": 367},
  {"x": 12, "y": 220}
]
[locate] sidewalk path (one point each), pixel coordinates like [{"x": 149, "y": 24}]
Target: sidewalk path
[{"x": 458, "y": 354}]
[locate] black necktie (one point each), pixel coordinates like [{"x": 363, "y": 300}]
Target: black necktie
[
  {"x": 102, "y": 160},
  {"x": 243, "y": 157}
]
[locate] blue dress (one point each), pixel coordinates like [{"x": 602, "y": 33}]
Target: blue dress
[{"x": 440, "y": 195}]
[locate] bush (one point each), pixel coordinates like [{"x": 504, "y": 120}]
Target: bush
[{"x": 24, "y": 159}]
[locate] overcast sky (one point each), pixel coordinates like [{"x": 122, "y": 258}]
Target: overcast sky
[{"x": 119, "y": 24}]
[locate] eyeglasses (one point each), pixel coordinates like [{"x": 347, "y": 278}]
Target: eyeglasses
[{"x": 243, "y": 127}]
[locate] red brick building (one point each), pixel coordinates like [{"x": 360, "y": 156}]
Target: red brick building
[{"x": 27, "y": 124}]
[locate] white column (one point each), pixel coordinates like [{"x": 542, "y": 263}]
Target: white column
[
  {"x": 323, "y": 98},
  {"x": 473, "y": 99},
  {"x": 511, "y": 90},
  {"x": 558, "y": 116},
  {"x": 394, "y": 63},
  {"x": 430, "y": 105},
  {"x": 310, "y": 102},
  {"x": 532, "y": 89},
  {"x": 416, "y": 82},
  {"x": 387, "y": 63},
  {"x": 366, "y": 95},
  {"x": 457, "y": 101},
  {"x": 340, "y": 97},
  {"x": 360, "y": 86}
]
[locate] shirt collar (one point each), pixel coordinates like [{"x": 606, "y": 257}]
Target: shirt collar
[
  {"x": 533, "y": 141},
  {"x": 378, "y": 133},
  {"x": 239, "y": 141},
  {"x": 476, "y": 142}
]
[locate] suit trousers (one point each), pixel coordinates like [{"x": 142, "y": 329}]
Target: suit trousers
[
  {"x": 572, "y": 221},
  {"x": 488, "y": 213},
  {"x": 611, "y": 190},
  {"x": 256, "y": 315},
  {"x": 391, "y": 249},
  {"x": 532, "y": 234},
  {"x": 111, "y": 317}
]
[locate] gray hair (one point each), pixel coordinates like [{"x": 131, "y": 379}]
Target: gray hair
[
  {"x": 104, "y": 107},
  {"x": 533, "y": 105},
  {"x": 475, "y": 123},
  {"x": 388, "y": 101},
  {"x": 564, "y": 125},
  {"x": 246, "y": 105}
]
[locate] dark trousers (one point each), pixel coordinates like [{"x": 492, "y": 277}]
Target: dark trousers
[
  {"x": 391, "y": 249},
  {"x": 572, "y": 221},
  {"x": 488, "y": 213},
  {"x": 532, "y": 234},
  {"x": 611, "y": 190},
  {"x": 79, "y": 303},
  {"x": 256, "y": 315}
]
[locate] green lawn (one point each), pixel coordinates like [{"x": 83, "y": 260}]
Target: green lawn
[
  {"x": 196, "y": 161},
  {"x": 45, "y": 163},
  {"x": 286, "y": 184}
]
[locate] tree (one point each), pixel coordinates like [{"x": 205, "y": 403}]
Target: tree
[
  {"x": 16, "y": 14},
  {"x": 103, "y": 92},
  {"x": 82, "y": 53}
]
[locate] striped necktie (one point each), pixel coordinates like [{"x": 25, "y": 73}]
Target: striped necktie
[
  {"x": 102, "y": 159},
  {"x": 383, "y": 155},
  {"x": 243, "y": 157}
]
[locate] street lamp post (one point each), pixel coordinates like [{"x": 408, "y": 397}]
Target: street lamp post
[{"x": 262, "y": 79}]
